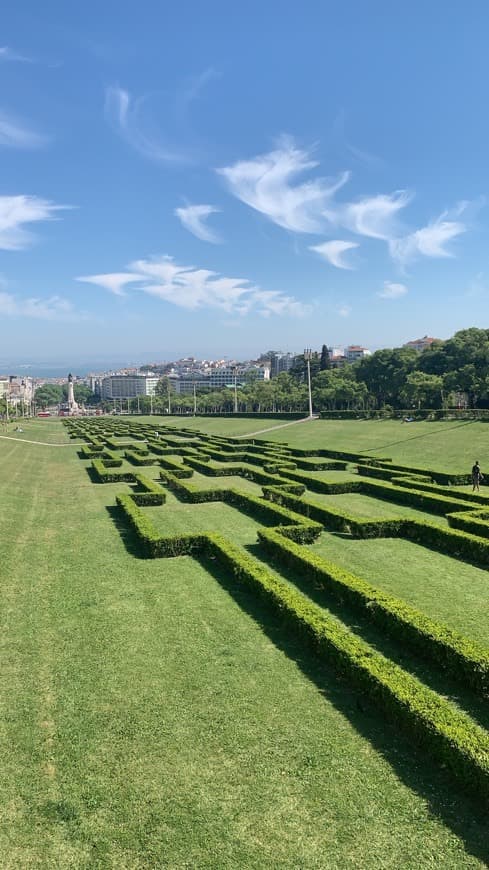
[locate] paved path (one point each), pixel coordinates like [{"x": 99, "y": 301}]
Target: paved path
[
  {"x": 44, "y": 443},
  {"x": 280, "y": 426}
]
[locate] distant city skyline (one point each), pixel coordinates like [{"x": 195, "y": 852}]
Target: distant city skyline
[{"x": 277, "y": 176}]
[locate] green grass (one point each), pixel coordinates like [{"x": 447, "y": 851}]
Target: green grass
[
  {"x": 154, "y": 715},
  {"x": 450, "y": 591}
]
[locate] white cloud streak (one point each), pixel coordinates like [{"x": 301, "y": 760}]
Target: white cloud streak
[
  {"x": 334, "y": 252},
  {"x": 13, "y": 134},
  {"x": 429, "y": 241},
  {"x": 265, "y": 183},
  {"x": 51, "y": 308},
  {"x": 392, "y": 290},
  {"x": 193, "y": 289},
  {"x": 124, "y": 115},
  {"x": 114, "y": 282},
  {"x": 15, "y": 212},
  {"x": 193, "y": 219},
  {"x": 8, "y": 54},
  {"x": 374, "y": 216},
  {"x": 343, "y": 310}
]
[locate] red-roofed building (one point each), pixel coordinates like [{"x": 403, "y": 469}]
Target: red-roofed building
[{"x": 421, "y": 344}]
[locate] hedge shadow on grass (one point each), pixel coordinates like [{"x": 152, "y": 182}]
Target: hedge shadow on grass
[
  {"x": 397, "y": 650},
  {"x": 129, "y": 537},
  {"x": 456, "y": 809}
]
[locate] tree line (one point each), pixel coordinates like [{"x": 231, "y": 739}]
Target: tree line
[{"x": 448, "y": 374}]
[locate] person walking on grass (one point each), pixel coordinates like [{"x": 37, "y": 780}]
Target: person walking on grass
[{"x": 477, "y": 476}]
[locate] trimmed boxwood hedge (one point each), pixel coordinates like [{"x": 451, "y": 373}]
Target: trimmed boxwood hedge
[
  {"x": 103, "y": 475},
  {"x": 449, "y": 735},
  {"x": 465, "y": 660},
  {"x": 148, "y": 492},
  {"x": 153, "y": 544}
]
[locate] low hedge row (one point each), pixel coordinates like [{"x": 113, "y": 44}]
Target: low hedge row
[
  {"x": 153, "y": 545},
  {"x": 417, "y": 498},
  {"x": 445, "y": 478},
  {"x": 450, "y": 542},
  {"x": 148, "y": 492},
  {"x": 190, "y": 493},
  {"x": 137, "y": 459},
  {"x": 333, "y": 519},
  {"x": 291, "y": 524},
  {"x": 461, "y": 658},
  {"x": 314, "y": 484},
  {"x": 448, "y": 491},
  {"x": 448, "y": 734},
  {"x": 103, "y": 475},
  {"x": 474, "y": 522},
  {"x": 110, "y": 459},
  {"x": 177, "y": 469}
]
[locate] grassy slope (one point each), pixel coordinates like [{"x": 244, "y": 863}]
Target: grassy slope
[
  {"x": 149, "y": 720},
  {"x": 446, "y": 445}
]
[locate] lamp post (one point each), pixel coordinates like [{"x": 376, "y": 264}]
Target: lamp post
[
  {"x": 307, "y": 359},
  {"x": 169, "y": 397},
  {"x": 235, "y": 390},
  {"x": 195, "y": 400}
]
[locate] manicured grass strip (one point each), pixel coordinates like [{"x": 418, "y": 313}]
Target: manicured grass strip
[
  {"x": 465, "y": 660},
  {"x": 450, "y": 736}
]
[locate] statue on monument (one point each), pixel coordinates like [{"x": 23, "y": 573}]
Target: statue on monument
[{"x": 72, "y": 405}]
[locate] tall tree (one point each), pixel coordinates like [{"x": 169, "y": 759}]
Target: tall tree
[{"x": 324, "y": 362}]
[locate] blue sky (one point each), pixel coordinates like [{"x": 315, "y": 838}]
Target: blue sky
[{"x": 189, "y": 178}]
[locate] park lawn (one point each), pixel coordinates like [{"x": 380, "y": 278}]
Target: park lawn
[
  {"x": 444, "y": 446},
  {"x": 46, "y": 429},
  {"x": 222, "y": 426},
  {"x": 366, "y": 507},
  {"x": 231, "y": 481},
  {"x": 448, "y": 590},
  {"x": 179, "y": 518},
  {"x": 150, "y": 718}
]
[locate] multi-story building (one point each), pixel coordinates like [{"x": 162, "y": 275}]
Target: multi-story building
[
  {"x": 4, "y": 382},
  {"x": 420, "y": 344},
  {"x": 219, "y": 379},
  {"x": 355, "y": 351},
  {"x": 280, "y": 362},
  {"x": 128, "y": 386}
]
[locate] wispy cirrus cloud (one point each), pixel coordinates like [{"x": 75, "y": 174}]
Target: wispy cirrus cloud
[
  {"x": 392, "y": 290},
  {"x": 193, "y": 218},
  {"x": 343, "y": 310},
  {"x": 14, "y": 134},
  {"x": 126, "y": 116},
  {"x": 192, "y": 288},
  {"x": 372, "y": 216},
  {"x": 16, "y": 212},
  {"x": 431, "y": 240},
  {"x": 266, "y": 183},
  {"x": 50, "y": 308},
  {"x": 114, "y": 282},
  {"x": 334, "y": 251},
  {"x": 8, "y": 54}
]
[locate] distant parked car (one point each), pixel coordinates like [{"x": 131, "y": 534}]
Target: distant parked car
[{"x": 44, "y": 413}]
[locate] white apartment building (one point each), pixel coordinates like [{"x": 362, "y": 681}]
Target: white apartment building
[{"x": 128, "y": 386}]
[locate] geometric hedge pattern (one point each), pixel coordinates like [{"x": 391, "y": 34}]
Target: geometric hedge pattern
[{"x": 332, "y": 611}]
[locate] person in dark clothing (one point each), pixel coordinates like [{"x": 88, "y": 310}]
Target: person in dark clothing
[{"x": 477, "y": 476}]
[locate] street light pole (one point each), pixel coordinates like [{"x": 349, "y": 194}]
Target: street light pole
[
  {"x": 307, "y": 358},
  {"x": 235, "y": 390},
  {"x": 195, "y": 400},
  {"x": 169, "y": 397}
]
